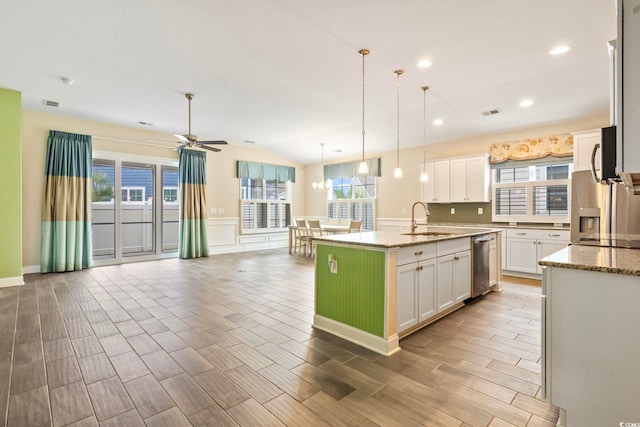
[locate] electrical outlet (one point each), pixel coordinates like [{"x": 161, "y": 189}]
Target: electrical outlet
[
  {"x": 333, "y": 265},
  {"x": 453, "y": 211},
  {"x": 220, "y": 210},
  {"x": 213, "y": 210},
  {"x": 480, "y": 211}
]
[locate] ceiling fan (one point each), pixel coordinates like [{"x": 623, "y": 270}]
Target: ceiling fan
[{"x": 190, "y": 140}]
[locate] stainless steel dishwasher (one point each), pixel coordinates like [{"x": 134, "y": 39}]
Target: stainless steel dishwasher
[{"x": 480, "y": 265}]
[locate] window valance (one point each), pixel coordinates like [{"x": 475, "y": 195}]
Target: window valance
[
  {"x": 266, "y": 171},
  {"x": 530, "y": 149},
  {"x": 350, "y": 169}
]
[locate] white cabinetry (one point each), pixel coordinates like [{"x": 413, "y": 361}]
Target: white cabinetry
[
  {"x": 460, "y": 179},
  {"x": 416, "y": 281},
  {"x": 430, "y": 279},
  {"x": 493, "y": 260},
  {"x": 436, "y": 189},
  {"x": 590, "y": 345},
  {"x": 583, "y": 143},
  {"x": 470, "y": 179},
  {"x": 526, "y": 246}
]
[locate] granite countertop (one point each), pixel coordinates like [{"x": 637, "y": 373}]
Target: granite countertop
[
  {"x": 503, "y": 225},
  {"x": 594, "y": 258},
  {"x": 396, "y": 239}
]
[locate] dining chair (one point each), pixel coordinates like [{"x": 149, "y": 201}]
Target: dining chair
[
  {"x": 314, "y": 230},
  {"x": 302, "y": 237},
  {"x": 354, "y": 226}
]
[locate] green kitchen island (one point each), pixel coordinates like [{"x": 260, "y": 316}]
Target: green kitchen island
[{"x": 375, "y": 287}]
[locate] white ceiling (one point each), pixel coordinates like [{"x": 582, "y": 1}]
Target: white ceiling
[{"x": 287, "y": 73}]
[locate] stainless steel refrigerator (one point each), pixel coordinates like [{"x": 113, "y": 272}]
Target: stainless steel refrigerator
[{"x": 603, "y": 214}]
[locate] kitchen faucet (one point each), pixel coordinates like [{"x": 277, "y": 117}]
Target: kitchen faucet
[{"x": 413, "y": 215}]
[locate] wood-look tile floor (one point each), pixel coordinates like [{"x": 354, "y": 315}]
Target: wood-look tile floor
[{"x": 227, "y": 340}]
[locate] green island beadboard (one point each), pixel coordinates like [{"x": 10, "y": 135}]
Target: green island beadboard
[{"x": 354, "y": 296}]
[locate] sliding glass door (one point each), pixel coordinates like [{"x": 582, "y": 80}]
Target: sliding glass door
[{"x": 131, "y": 196}]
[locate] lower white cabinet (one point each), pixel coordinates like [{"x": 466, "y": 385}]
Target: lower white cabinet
[
  {"x": 431, "y": 285},
  {"x": 416, "y": 293},
  {"x": 525, "y": 247},
  {"x": 493, "y": 260}
]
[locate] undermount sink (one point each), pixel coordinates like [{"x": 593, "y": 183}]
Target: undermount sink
[{"x": 428, "y": 233}]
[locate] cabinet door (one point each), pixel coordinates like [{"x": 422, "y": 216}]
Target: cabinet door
[
  {"x": 461, "y": 276},
  {"x": 458, "y": 180},
  {"x": 582, "y": 147},
  {"x": 426, "y": 289},
  {"x": 444, "y": 288},
  {"x": 546, "y": 248},
  {"x": 522, "y": 255},
  {"x": 441, "y": 172},
  {"x": 478, "y": 179},
  {"x": 503, "y": 251},
  {"x": 493, "y": 264},
  {"x": 429, "y": 186},
  {"x": 406, "y": 288}
]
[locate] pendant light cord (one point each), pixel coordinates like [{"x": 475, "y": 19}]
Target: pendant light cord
[
  {"x": 398, "y": 73},
  {"x": 363, "y": 52},
  {"x": 424, "y": 127}
]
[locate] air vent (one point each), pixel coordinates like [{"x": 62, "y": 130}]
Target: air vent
[
  {"x": 491, "y": 112},
  {"x": 50, "y": 103}
]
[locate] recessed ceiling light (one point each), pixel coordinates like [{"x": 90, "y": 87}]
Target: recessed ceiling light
[
  {"x": 425, "y": 63},
  {"x": 526, "y": 103},
  {"x": 438, "y": 122},
  {"x": 559, "y": 50}
]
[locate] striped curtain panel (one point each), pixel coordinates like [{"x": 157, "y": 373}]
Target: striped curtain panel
[
  {"x": 193, "y": 209},
  {"x": 66, "y": 211}
]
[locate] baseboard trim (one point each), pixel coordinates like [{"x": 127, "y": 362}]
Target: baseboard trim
[
  {"x": 29, "y": 269},
  {"x": 380, "y": 345},
  {"x": 6, "y": 282}
]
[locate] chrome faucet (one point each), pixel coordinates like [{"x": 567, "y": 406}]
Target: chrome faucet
[{"x": 413, "y": 215}]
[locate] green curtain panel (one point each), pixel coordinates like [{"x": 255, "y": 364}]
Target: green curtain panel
[
  {"x": 193, "y": 206},
  {"x": 66, "y": 211}
]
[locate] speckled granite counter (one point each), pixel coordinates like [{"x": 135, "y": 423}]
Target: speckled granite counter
[
  {"x": 396, "y": 239},
  {"x": 502, "y": 225},
  {"x": 592, "y": 258}
]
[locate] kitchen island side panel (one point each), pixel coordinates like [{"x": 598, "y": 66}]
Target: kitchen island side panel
[{"x": 355, "y": 295}]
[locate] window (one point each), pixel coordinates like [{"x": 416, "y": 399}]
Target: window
[
  {"x": 265, "y": 205},
  {"x": 170, "y": 194},
  {"x": 353, "y": 198},
  {"x": 132, "y": 194},
  {"x": 532, "y": 193}
]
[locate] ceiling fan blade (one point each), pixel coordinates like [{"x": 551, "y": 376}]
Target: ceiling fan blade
[
  {"x": 213, "y": 142},
  {"x": 181, "y": 137},
  {"x": 207, "y": 147}
]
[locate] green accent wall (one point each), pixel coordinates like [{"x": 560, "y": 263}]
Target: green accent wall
[
  {"x": 11, "y": 188},
  {"x": 354, "y": 296}
]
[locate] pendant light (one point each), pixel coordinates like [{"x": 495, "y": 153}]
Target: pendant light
[
  {"x": 397, "y": 172},
  {"x": 363, "y": 169},
  {"x": 423, "y": 176},
  {"x": 321, "y": 185}
]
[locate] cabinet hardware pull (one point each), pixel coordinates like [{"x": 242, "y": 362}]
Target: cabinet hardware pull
[
  {"x": 418, "y": 253},
  {"x": 554, "y": 235},
  {"x": 455, "y": 258},
  {"x": 417, "y": 268},
  {"x": 521, "y": 234}
]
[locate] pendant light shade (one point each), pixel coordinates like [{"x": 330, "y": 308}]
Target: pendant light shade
[
  {"x": 363, "y": 169},
  {"x": 423, "y": 176},
  {"x": 397, "y": 173}
]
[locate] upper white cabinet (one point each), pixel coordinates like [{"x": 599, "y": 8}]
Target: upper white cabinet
[
  {"x": 458, "y": 180},
  {"x": 583, "y": 143},
  {"x": 436, "y": 189}
]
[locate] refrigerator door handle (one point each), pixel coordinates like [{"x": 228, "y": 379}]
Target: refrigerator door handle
[{"x": 593, "y": 164}]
